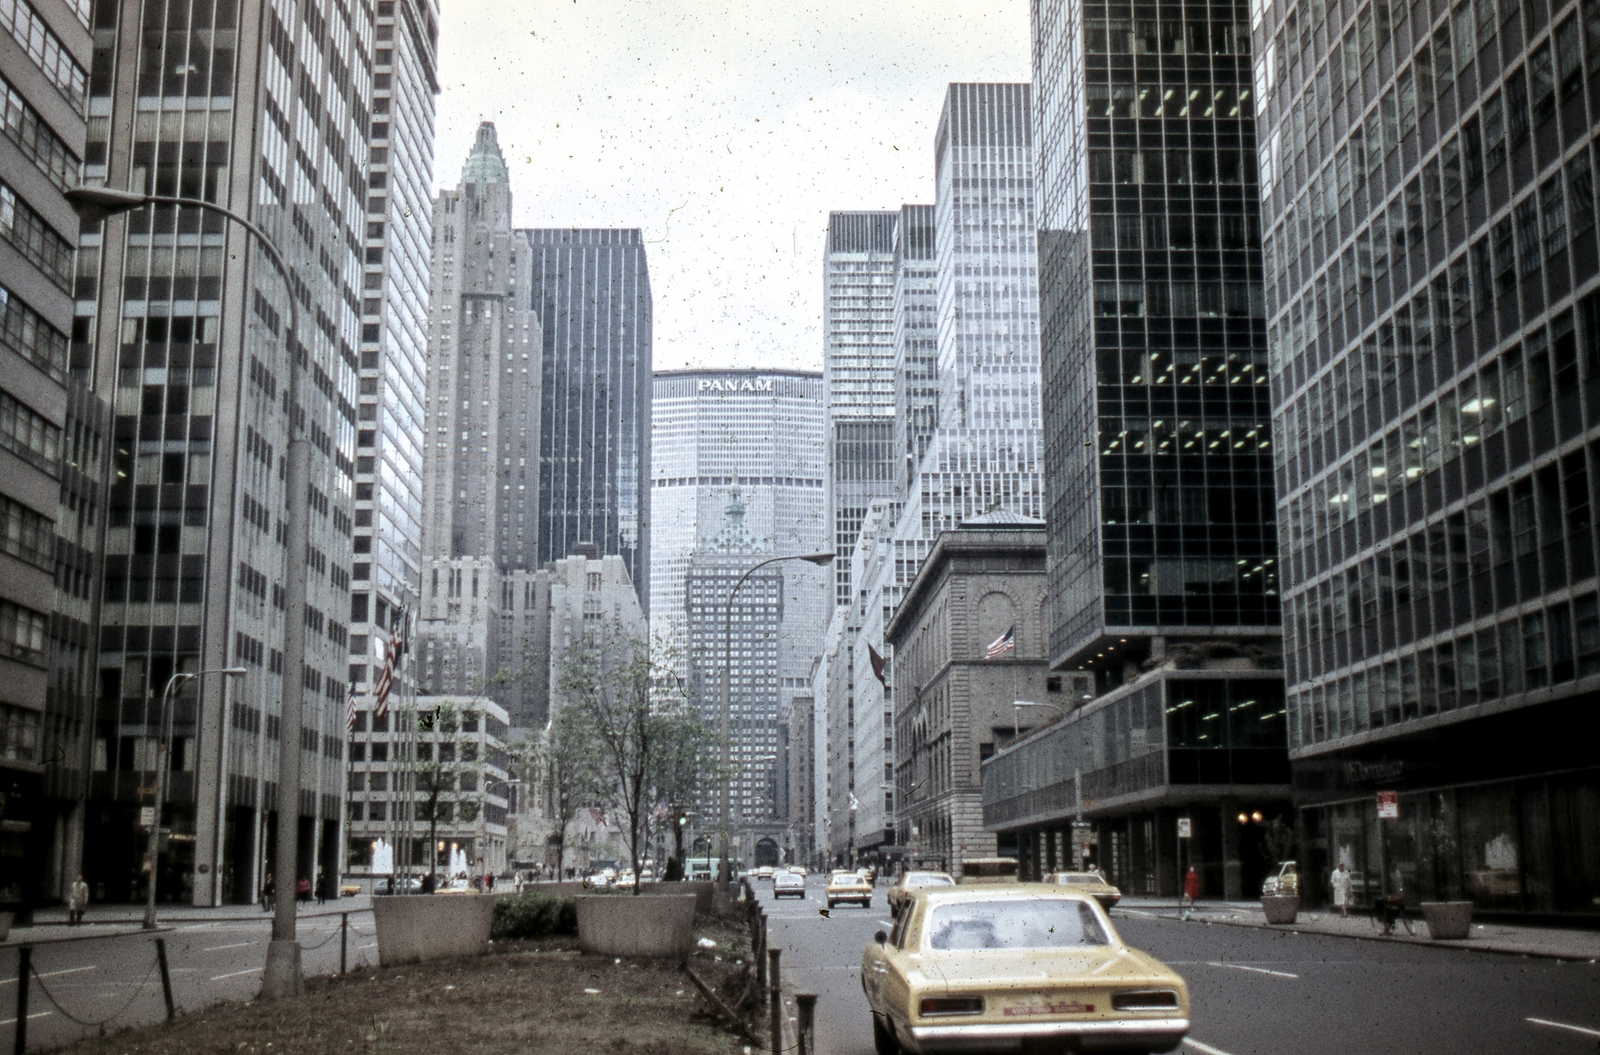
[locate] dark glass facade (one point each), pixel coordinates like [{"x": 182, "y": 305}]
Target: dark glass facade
[
  {"x": 591, "y": 289},
  {"x": 1428, "y": 180},
  {"x": 1158, "y": 440}
]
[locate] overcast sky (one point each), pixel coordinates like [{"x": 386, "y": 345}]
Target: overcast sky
[{"x": 726, "y": 131}]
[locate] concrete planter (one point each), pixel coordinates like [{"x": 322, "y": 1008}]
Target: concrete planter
[
  {"x": 416, "y": 927},
  {"x": 659, "y": 925},
  {"x": 1281, "y": 909},
  {"x": 1448, "y": 920}
]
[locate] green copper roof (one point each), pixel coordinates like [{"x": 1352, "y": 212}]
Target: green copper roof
[{"x": 485, "y": 164}]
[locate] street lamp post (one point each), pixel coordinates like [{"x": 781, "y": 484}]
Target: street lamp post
[
  {"x": 163, "y": 765},
  {"x": 281, "y": 976},
  {"x": 724, "y": 873}
]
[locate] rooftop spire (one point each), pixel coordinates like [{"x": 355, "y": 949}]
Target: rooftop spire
[{"x": 485, "y": 164}]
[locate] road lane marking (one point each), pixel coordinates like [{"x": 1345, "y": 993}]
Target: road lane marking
[
  {"x": 1257, "y": 970},
  {"x": 1563, "y": 1025},
  {"x": 884, "y": 923},
  {"x": 235, "y": 945},
  {"x": 50, "y": 974},
  {"x": 235, "y": 974},
  {"x": 1204, "y": 1049},
  {"x": 36, "y": 1014},
  {"x": 1134, "y": 912},
  {"x": 368, "y": 945}
]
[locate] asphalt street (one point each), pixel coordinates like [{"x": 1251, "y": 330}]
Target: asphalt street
[
  {"x": 1255, "y": 991},
  {"x": 113, "y": 977}
]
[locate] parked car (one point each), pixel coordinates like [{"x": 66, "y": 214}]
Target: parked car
[
  {"x": 905, "y": 888},
  {"x": 349, "y": 889},
  {"x": 1092, "y": 883},
  {"x": 849, "y": 886},
  {"x": 988, "y": 870},
  {"x": 787, "y": 884},
  {"x": 980, "y": 968},
  {"x": 1285, "y": 882},
  {"x": 457, "y": 886}
]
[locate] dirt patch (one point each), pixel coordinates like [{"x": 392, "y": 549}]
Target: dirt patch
[{"x": 531, "y": 997}]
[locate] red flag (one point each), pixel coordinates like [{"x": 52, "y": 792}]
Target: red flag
[
  {"x": 878, "y": 663},
  {"x": 350, "y": 709}
]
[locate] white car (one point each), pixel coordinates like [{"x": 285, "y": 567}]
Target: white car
[
  {"x": 788, "y": 884},
  {"x": 762, "y": 872}
]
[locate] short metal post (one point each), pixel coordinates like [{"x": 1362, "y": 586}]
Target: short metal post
[
  {"x": 806, "y": 1010},
  {"x": 760, "y": 949},
  {"x": 166, "y": 978},
  {"x": 344, "y": 941},
  {"x": 776, "y": 1038},
  {"x": 24, "y": 972}
]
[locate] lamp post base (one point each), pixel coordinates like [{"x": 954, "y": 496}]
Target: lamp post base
[{"x": 281, "y": 977}]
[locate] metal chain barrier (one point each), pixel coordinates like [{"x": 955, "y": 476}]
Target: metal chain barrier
[{"x": 99, "y": 1024}]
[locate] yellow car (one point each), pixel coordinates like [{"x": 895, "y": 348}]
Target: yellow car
[
  {"x": 849, "y": 886},
  {"x": 900, "y": 893},
  {"x": 998, "y": 968},
  {"x": 1092, "y": 883}
]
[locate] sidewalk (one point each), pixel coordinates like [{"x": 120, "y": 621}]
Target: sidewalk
[
  {"x": 108, "y": 921},
  {"x": 1512, "y": 939}
]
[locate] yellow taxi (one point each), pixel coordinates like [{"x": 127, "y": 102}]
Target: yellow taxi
[
  {"x": 900, "y": 892},
  {"x": 1092, "y": 883},
  {"x": 849, "y": 886},
  {"x": 992, "y": 968}
]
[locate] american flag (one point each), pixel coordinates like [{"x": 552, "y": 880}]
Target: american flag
[
  {"x": 1002, "y": 644},
  {"x": 385, "y": 679},
  {"x": 350, "y": 709}
]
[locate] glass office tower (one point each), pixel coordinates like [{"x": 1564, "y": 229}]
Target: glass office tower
[
  {"x": 1162, "y": 550},
  {"x": 1429, "y": 199}
]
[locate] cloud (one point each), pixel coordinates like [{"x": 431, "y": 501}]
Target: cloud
[{"x": 744, "y": 122}]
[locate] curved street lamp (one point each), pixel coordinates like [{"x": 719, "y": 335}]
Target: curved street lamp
[
  {"x": 281, "y": 976},
  {"x": 163, "y": 774},
  {"x": 724, "y": 872}
]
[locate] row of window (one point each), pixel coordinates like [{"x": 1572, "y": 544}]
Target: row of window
[
  {"x": 1180, "y": 299},
  {"x": 35, "y": 139},
  {"x": 1174, "y": 96},
  {"x": 28, "y": 435},
  {"x": 1148, "y": 36},
  {"x": 34, "y": 36},
  {"x": 1519, "y": 655},
  {"x": 1197, "y": 167},
  {"x": 26, "y": 332},
  {"x": 28, "y": 233},
  {"x": 25, "y": 534}
]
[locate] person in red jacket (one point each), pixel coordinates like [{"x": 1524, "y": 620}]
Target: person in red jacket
[{"x": 1191, "y": 893}]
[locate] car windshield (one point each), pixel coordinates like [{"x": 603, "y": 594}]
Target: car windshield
[
  {"x": 929, "y": 881},
  {"x": 1035, "y": 923}
]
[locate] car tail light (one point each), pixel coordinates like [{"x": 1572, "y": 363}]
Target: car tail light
[
  {"x": 951, "y": 1005},
  {"x": 1145, "y": 1000}
]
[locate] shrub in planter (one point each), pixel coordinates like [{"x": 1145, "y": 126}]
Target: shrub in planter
[
  {"x": 1280, "y": 909},
  {"x": 533, "y": 914}
]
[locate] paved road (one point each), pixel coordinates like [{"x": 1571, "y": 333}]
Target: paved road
[
  {"x": 1257, "y": 992},
  {"x": 113, "y": 976}
]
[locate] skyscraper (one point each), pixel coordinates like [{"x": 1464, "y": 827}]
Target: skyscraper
[
  {"x": 858, "y": 373},
  {"x": 229, "y": 102},
  {"x": 481, "y": 466},
  {"x": 54, "y": 432},
  {"x": 1161, "y": 551},
  {"x": 916, "y": 343},
  {"x": 762, "y": 431},
  {"x": 1429, "y": 198},
  {"x": 591, "y": 290},
  {"x": 386, "y": 570}
]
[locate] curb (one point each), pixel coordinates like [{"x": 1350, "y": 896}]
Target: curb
[
  {"x": 1429, "y": 944},
  {"x": 176, "y": 921}
]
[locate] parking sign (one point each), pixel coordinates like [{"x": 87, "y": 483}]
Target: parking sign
[
  {"x": 1388, "y": 805},
  {"x": 147, "y": 816},
  {"x": 1184, "y": 828}
]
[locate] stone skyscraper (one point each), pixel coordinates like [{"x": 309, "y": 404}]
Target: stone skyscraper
[
  {"x": 481, "y": 466},
  {"x": 268, "y": 114}
]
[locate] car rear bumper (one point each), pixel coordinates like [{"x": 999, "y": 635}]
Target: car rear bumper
[{"x": 1151, "y": 1034}]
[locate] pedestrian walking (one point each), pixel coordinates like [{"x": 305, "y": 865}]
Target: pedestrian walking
[
  {"x": 1340, "y": 882},
  {"x": 268, "y": 889},
  {"x": 1191, "y": 893},
  {"x": 77, "y": 902},
  {"x": 302, "y": 889}
]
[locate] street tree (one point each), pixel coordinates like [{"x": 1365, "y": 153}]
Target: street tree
[
  {"x": 570, "y": 774},
  {"x": 611, "y": 682},
  {"x": 445, "y": 770}
]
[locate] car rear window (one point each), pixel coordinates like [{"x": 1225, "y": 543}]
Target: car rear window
[
  {"x": 1035, "y": 923},
  {"x": 916, "y": 881},
  {"x": 1080, "y": 879}
]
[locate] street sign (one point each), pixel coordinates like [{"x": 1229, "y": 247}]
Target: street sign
[
  {"x": 1388, "y": 805},
  {"x": 1185, "y": 829},
  {"x": 147, "y": 816}
]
